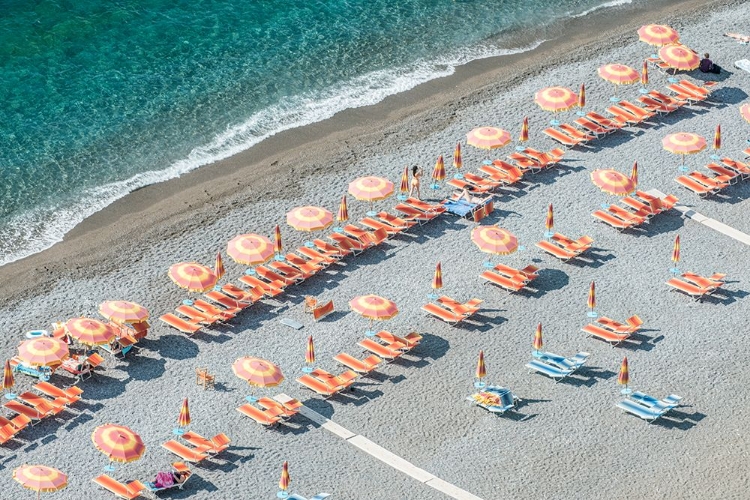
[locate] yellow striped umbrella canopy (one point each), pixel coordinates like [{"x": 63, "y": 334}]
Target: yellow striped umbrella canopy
[
  {"x": 679, "y": 57},
  {"x": 624, "y": 376},
  {"x": 374, "y": 307},
  {"x": 684, "y": 143},
  {"x": 550, "y": 222},
  {"x": 343, "y": 213},
  {"x": 492, "y": 239},
  {"x": 371, "y": 188},
  {"x": 538, "y": 341},
  {"x": 676, "y": 250},
  {"x": 404, "y": 186},
  {"x": 745, "y": 112},
  {"x": 277, "y": 247},
  {"x": 40, "y": 478},
  {"x": 556, "y": 99},
  {"x": 619, "y": 74},
  {"x": 310, "y": 351},
  {"x": 250, "y": 249},
  {"x": 634, "y": 174},
  {"x": 481, "y": 369},
  {"x": 717, "y": 137},
  {"x": 524, "y": 130},
  {"x": 258, "y": 372},
  {"x": 118, "y": 442},
  {"x": 488, "y": 138},
  {"x": 193, "y": 276},
  {"x": 592, "y": 296},
  {"x": 582, "y": 96},
  {"x": 90, "y": 331},
  {"x": 219, "y": 266},
  {"x": 658, "y": 34},
  {"x": 122, "y": 311},
  {"x": 8, "y": 379},
  {"x": 43, "y": 351},
  {"x": 284, "y": 479},
  {"x": 458, "y": 162},
  {"x": 183, "y": 420},
  {"x": 612, "y": 182},
  {"x": 309, "y": 218},
  {"x": 644, "y": 74},
  {"x": 437, "y": 280},
  {"x": 438, "y": 173}
]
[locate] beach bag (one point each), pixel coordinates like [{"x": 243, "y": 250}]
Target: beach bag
[{"x": 164, "y": 480}]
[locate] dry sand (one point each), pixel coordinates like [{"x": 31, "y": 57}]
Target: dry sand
[{"x": 566, "y": 441}]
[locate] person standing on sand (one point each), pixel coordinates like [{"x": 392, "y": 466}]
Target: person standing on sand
[{"x": 416, "y": 173}]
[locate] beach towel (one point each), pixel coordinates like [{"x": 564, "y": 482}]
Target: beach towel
[
  {"x": 164, "y": 480},
  {"x": 291, "y": 323},
  {"x": 743, "y": 64}
]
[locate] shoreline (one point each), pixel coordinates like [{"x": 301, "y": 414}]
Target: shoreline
[{"x": 156, "y": 212}]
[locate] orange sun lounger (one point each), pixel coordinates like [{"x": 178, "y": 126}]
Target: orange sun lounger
[
  {"x": 466, "y": 309},
  {"x": 594, "y": 127},
  {"x": 606, "y": 335},
  {"x": 17, "y": 423},
  {"x": 46, "y": 406},
  {"x": 193, "y": 314},
  {"x": 638, "y": 111},
  {"x": 714, "y": 281},
  {"x": 617, "y": 123},
  {"x": 624, "y": 116},
  {"x": 7, "y": 432},
  {"x": 300, "y": 267},
  {"x": 264, "y": 417},
  {"x": 212, "y": 446},
  {"x": 318, "y": 256},
  {"x": 396, "y": 222},
  {"x": 270, "y": 289},
  {"x": 332, "y": 250},
  {"x": 363, "y": 367},
  {"x": 309, "y": 264},
  {"x": 317, "y": 386},
  {"x": 448, "y": 315},
  {"x": 185, "y": 453},
  {"x": 576, "y": 133},
  {"x": 694, "y": 186},
  {"x": 694, "y": 291},
  {"x": 379, "y": 350},
  {"x": 277, "y": 279},
  {"x": 69, "y": 395},
  {"x": 188, "y": 327},
  {"x": 632, "y": 324},
  {"x": 613, "y": 221},
  {"x": 340, "y": 382},
  {"x": 560, "y": 253},
  {"x": 213, "y": 311},
  {"x": 244, "y": 297},
  {"x": 376, "y": 224},
  {"x": 510, "y": 285},
  {"x": 35, "y": 414},
  {"x": 412, "y": 214},
  {"x": 127, "y": 491},
  {"x": 410, "y": 341}
]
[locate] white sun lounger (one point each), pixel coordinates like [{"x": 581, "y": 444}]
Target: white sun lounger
[
  {"x": 572, "y": 363},
  {"x": 549, "y": 370},
  {"x": 644, "y": 412},
  {"x": 663, "y": 405}
]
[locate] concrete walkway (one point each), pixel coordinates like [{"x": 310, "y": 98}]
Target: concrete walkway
[{"x": 382, "y": 454}]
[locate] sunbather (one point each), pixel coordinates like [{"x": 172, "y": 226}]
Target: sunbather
[{"x": 169, "y": 479}]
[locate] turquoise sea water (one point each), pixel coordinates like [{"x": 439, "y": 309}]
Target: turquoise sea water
[{"x": 102, "y": 97}]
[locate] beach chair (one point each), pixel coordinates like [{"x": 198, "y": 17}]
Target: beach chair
[
  {"x": 270, "y": 289},
  {"x": 197, "y": 316},
  {"x": 685, "y": 94},
  {"x": 593, "y": 127},
  {"x": 580, "y": 245},
  {"x": 647, "y": 210},
  {"x": 180, "y": 467},
  {"x": 494, "y": 399},
  {"x": 702, "y": 90},
  {"x": 244, "y": 297},
  {"x": 267, "y": 418},
  {"x": 384, "y": 352},
  {"x": 724, "y": 173},
  {"x": 613, "y": 221},
  {"x": 554, "y": 372},
  {"x": 309, "y": 264},
  {"x": 363, "y": 367},
  {"x": 639, "y": 410},
  {"x": 606, "y": 335},
  {"x": 204, "y": 379},
  {"x": 7, "y": 432},
  {"x": 376, "y": 224},
  {"x": 561, "y": 253},
  {"x": 526, "y": 275},
  {"x": 185, "y": 453},
  {"x": 449, "y": 316},
  {"x": 718, "y": 182},
  {"x": 17, "y": 423},
  {"x": 212, "y": 446},
  {"x": 414, "y": 215},
  {"x": 694, "y": 186},
  {"x": 469, "y": 186},
  {"x": 321, "y": 311},
  {"x": 302, "y": 269},
  {"x": 35, "y": 414},
  {"x": 230, "y": 301},
  {"x": 741, "y": 168},
  {"x": 663, "y": 405},
  {"x": 364, "y": 237},
  {"x": 624, "y": 116},
  {"x": 503, "y": 172},
  {"x": 213, "y": 311},
  {"x": 667, "y": 100},
  {"x": 67, "y": 396},
  {"x": 616, "y": 124},
  {"x": 317, "y": 386},
  {"x": 637, "y": 111},
  {"x": 409, "y": 342},
  {"x": 508, "y": 284},
  {"x": 330, "y": 250},
  {"x": 637, "y": 218},
  {"x": 340, "y": 382},
  {"x": 357, "y": 246},
  {"x": 424, "y": 206},
  {"x": 283, "y": 411},
  {"x": 654, "y": 105},
  {"x": 83, "y": 366},
  {"x": 573, "y": 363},
  {"x": 317, "y": 256},
  {"x": 562, "y": 138},
  {"x": 127, "y": 491},
  {"x": 482, "y": 181},
  {"x": 280, "y": 280},
  {"x": 711, "y": 282},
  {"x": 632, "y": 324},
  {"x": 465, "y": 309},
  {"x": 395, "y": 222},
  {"x": 551, "y": 157},
  {"x": 576, "y": 133},
  {"x": 48, "y": 407}
]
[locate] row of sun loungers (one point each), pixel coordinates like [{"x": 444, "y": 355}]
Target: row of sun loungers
[
  {"x": 200, "y": 447},
  {"x": 696, "y": 286},
  {"x": 640, "y": 209},
  {"x": 451, "y": 311},
  {"x": 135, "y": 489},
  {"x": 512, "y": 280},
  {"x": 612, "y": 331},
  {"x": 724, "y": 173}
]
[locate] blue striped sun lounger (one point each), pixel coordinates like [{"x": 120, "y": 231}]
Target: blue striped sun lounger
[
  {"x": 573, "y": 363},
  {"x": 507, "y": 399},
  {"x": 551, "y": 371},
  {"x": 644, "y": 412},
  {"x": 663, "y": 405}
]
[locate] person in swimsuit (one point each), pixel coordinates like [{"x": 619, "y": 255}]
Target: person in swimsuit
[{"x": 416, "y": 173}]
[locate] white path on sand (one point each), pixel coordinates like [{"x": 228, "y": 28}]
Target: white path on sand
[
  {"x": 382, "y": 454},
  {"x": 707, "y": 221}
]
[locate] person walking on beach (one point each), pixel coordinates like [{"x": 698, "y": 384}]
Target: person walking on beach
[
  {"x": 707, "y": 66},
  {"x": 416, "y": 173}
]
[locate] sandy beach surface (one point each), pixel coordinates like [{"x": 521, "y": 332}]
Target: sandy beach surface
[{"x": 567, "y": 439}]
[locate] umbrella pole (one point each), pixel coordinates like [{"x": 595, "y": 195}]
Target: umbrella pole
[
  {"x": 682, "y": 167},
  {"x": 370, "y": 332}
]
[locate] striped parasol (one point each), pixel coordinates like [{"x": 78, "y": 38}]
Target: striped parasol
[
  {"x": 371, "y": 188},
  {"x": 43, "y": 351},
  {"x": 634, "y": 174},
  {"x": 745, "y": 112},
  {"x": 556, "y": 99},
  {"x": 438, "y": 173},
  {"x": 219, "y": 266},
  {"x": 277, "y": 246},
  {"x": 8, "y": 380},
  {"x": 591, "y": 303},
  {"x": 121, "y": 311},
  {"x": 193, "y": 276},
  {"x": 481, "y": 369},
  {"x": 684, "y": 143},
  {"x": 118, "y": 442},
  {"x": 284, "y": 480},
  {"x": 538, "y": 341},
  {"x": 250, "y": 249},
  {"x": 374, "y": 307},
  {"x": 612, "y": 182},
  {"x": 582, "y": 96},
  {"x": 90, "y": 331},
  {"x": 676, "y": 250},
  {"x": 183, "y": 420},
  {"x": 658, "y": 34},
  {"x": 624, "y": 376},
  {"x": 258, "y": 372},
  {"x": 717, "y": 137},
  {"x": 679, "y": 57},
  {"x": 457, "y": 160},
  {"x": 404, "y": 187},
  {"x": 310, "y": 352},
  {"x": 492, "y": 239},
  {"x": 550, "y": 222},
  {"x": 310, "y": 218},
  {"x": 644, "y": 74},
  {"x": 524, "y": 130},
  {"x": 488, "y": 138},
  {"x": 437, "y": 280},
  {"x": 619, "y": 74},
  {"x": 343, "y": 214},
  {"x": 40, "y": 478}
]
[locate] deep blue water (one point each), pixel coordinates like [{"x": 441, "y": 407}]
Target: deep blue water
[{"x": 102, "y": 97}]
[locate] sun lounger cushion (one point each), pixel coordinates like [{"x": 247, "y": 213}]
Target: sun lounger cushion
[
  {"x": 127, "y": 491},
  {"x": 560, "y": 253},
  {"x": 502, "y": 281},
  {"x": 606, "y": 335},
  {"x": 360, "y": 366},
  {"x": 185, "y": 453},
  {"x": 639, "y": 410},
  {"x": 442, "y": 313},
  {"x": 549, "y": 370}
]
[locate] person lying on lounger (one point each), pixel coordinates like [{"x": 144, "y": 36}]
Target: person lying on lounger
[
  {"x": 465, "y": 195},
  {"x": 169, "y": 479}
]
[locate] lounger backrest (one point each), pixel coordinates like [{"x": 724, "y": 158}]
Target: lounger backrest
[
  {"x": 321, "y": 311},
  {"x": 113, "y": 486},
  {"x": 316, "y": 385},
  {"x": 506, "y": 399},
  {"x": 635, "y": 321},
  {"x": 221, "y": 440}
]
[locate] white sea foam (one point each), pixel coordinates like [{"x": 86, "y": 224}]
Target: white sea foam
[{"x": 605, "y": 5}]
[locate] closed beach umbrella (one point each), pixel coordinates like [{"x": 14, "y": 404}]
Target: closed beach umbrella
[
  {"x": 284, "y": 479},
  {"x": 658, "y": 35},
  {"x": 619, "y": 74},
  {"x": 538, "y": 341},
  {"x": 556, "y": 99},
  {"x": 684, "y": 143},
  {"x": 644, "y": 74},
  {"x": 250, "y": 249},
  {"x": 676, "y": 254},
  {"x": 591, "y": 303},
  {"x": 717, "y": 137},
  {"x": 612, "y": 182},
  {"x": 624, "y": 376},
  {"x": 404, "y": 187},
  {"x": 219, "y": 266},
  {"x": 634, "y": 174},
  {"x": 258, "y": 372},
  {"x": 8, "y": 379},
  {"x": 122, "y": 312},
  {"x": 488, "y": 138},
  {"x": 745, "y": 112},
  {"x": 40, "y": 478},
  {"x": 192, "y": 276},
  {"x": 492, "y": 239},
  {"x": 582, "y": 96},
  {"x": 118, "y": 443},
  {"x": 343, "y": 213},
  {"x": 481, "y": 369},
  {"x": 524, "y": 130},
  {"x": 90, "y": 331},
  {"x": 277, "y": 246},
  {"x": 550, "y": 222},
  {"x": 183, "y": 420},
  {"x": 437, "y": 280},
  {"x": 310, "y": 351},
  {"x": 438, "y": 173},
  {"x": 457, "y": 160},
  {"x": 679, "y": 57},
  {"x": 309, "y": 218},
  {"x": 43, "y": 351}
]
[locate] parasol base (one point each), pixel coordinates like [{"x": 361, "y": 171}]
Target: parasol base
[
  {"x": 370, "y": 333},
  {"x": 11, "y": 395},
  {"x": 626, "y": 391},
  {"x": 605, "y": 206},
  {"x": 372, "y": 213},
  {"x": 592, "y": 314},
  {"x": 338, "y": 230},
  {"x": 178, "y": 431},
  {"x": 109, "y": 468},
  {"x": 458, "y": 176},
  {"x": 480, "y": 385},
  {"x": 549, "y": 234},
  {"x": 675, "y": 270},
  {"x": 488, "y": 264},
  {"x": 615, "y": 99},
  {"x": 434, "y": 185},
  {"x": 432, "y": 296},
  {"x": 554, "y": 122},
  {"x": 44, "y": 377},
  {"x": 309, "y": 244},
  {"x": 716, "y": 157},
  {"x": 581, "y": 113},
  {"x": 217, "y": 288},
  {"x": 521, "y": 248},
  {"x": 251, "y": 399},
  {"x": 33, "y": 334},
  {"x": 402, "y": 197},
  {"x": 307, "y": 369},
  {"x": 537, "y": 354},
  {"x": 250, "y": 272},
  {"x": 279, "y": 258},
  {"x": 188, "y": 302},
  {"x": 643, "y": 91},
  {"x": 672, "y": 79},
  {"x": 655, "y": 56},
  {"x": 282, "y": 494},
  {"x": 682, "y": 168},
  {"x": 520, "y": 148}
]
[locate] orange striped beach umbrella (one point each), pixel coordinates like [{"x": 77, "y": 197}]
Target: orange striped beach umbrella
[
  {"x": 343, "y": 213},
  {"x": 90, "y": 331},
  {"x": 258, "y": 372},
  {"x": 374, "y": 307},
  {"x": 634, "y": 174},
  {"x": 538, "y": 341},
  {"x": 492, "y": 239},
  {"x": 183, "y": 420},
  {"x": 524, "y": 130},
  {"x": 458, "y": 162},
  {"x": 745, "y": 112},
  {"x": 658, "y": 35},
  {"x": 437, "y": 280},
  {"x": 193, "y": 276},
  {"x": 118, "y": 442},
  {"x": 624, "y": 376},
  {"x": 488, "y": 138},
  {"x": 582, "y": 96},
  {"x": 556, "y": 99},
  {"x": 309, "y": 218},
  {"x": 40, "y": 478},
  {"x": 250, "y": 249},
  {"x": 404, "y": 187},
  {"x": 591, "y": 303},
  {"x": 277, "y": 246},
  {"x": 438, "y": 173},
  {"x": 676, "y": 250},
  {"x": 550, "y": 222},
  {"x": 43, "y": 351},
  {"x": 481, "y": 369},
  {"x": 644, "y": 74},
  {"x": 310, "y": 352},
  {"x": 612, "y": 182},
  {"x": 619, "y": 74},
  {"x": 284, "y": 480},
  {"x": 684, "y": 143},
  {"x": 717, "y": 137},
  {"x": 679, "y": 57},
  {"x": 122, "y": 311},
  {"x": 371, "y": 188},
  {"x": 219, "y": 266},
  {"x": 8, "y": 379}
]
